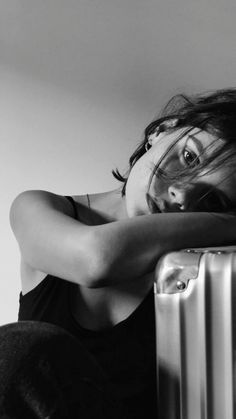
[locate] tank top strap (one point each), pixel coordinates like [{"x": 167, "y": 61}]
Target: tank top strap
[{"x": 73, "y": 205}]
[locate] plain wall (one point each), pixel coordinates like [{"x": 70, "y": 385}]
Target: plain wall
[{"x": 80, "y": 80}]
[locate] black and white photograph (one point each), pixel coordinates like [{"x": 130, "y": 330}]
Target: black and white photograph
[{"x": 118, "y": 209}]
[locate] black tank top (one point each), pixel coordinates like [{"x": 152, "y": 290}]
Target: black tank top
[{"x": 126, "y": 351}]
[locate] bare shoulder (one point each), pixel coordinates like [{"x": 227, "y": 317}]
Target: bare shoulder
[
  {"x": 81, "y": 199},
  {"x": 100, "y": 208},
  {"x": 52, "y": 244},
  {"x": 83, "y": 211},
  {"x": 93, "y": 209},
  {"x": 30, "y": 275}
]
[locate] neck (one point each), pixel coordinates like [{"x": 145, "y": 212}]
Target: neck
[{"x": 109, "y": 204}]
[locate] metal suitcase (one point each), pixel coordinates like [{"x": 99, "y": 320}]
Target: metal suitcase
[{"x": 195, "y": 305}]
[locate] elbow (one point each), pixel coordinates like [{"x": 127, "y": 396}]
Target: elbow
[
  {"x": 17, "y": 208},
  {"x": 96, "y": 276}
]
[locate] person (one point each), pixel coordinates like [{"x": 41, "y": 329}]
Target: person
[{"x": 88, "y": 261}]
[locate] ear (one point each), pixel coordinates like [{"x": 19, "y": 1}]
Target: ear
[
  {"x": 156, "y": 136},
  {"x": 161, "y": 130}
]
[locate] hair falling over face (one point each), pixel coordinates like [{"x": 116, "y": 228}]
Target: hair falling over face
[{"x": 213, "y": 112}]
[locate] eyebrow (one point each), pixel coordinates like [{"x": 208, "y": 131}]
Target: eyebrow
[
  {"x": 197, "y": 141},
  {"x": 221, "y": 194}
]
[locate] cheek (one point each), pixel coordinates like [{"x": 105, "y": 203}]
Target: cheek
[
  {"x": 170, "y": 165},
  {"x": 141, "y": 173},
  {"x": 158, "y": 186},
  {"x": 137, "y": 188}
]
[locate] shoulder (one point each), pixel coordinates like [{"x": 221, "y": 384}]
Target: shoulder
[
  {"x": 27, "y": 204},
  {"x": 31, "y": 277},
  {"x": 102, "y": 207},
  {"x": 92, "y": 209},
  {"x": 82, "y": 208},
  {"x": 80, "y": 199},
  {"x": 39, "y": 247}
]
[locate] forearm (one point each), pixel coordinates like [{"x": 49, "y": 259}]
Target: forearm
[
  {"x": 52, "y": 241},
  {"x": 131, "y": 248}
]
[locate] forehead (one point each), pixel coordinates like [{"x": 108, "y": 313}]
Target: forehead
[{"x": 203, "y": 139}]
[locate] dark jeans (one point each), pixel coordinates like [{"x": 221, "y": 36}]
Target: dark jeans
[{"x": 46, "y": 373}]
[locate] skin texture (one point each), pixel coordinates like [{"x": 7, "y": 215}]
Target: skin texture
[
  {"x": 112, "y": 251},
  {"x": 171, "y": 196}
]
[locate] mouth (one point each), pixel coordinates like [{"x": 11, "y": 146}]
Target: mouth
[{"x": 153, "y": 205}]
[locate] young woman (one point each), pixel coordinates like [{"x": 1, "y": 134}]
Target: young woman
[{"x": 88, "y": 261}]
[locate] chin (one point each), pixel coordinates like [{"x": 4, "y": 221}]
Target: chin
[
  {"x": 136, "y": 205},
  {"x": 136, "y": 211}
]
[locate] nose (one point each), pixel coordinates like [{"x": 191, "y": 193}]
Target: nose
[{"x": 177, "y": 197}]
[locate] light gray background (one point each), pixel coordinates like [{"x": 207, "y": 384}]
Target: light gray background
[{"x": 79, "y": 81}]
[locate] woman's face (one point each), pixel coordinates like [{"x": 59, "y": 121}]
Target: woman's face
[{"x": 147, "y": 193}]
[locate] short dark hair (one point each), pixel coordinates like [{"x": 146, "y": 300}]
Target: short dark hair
[{"x": 214, "y": 112}]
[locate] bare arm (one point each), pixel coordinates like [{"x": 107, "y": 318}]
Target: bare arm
[
  {"x": 50, "y": 239},
  {"x": 53, "y": 242},
  {"x": 132, "y": 247}
]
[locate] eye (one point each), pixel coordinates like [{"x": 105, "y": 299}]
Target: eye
[{"x": 190, "y": 158}]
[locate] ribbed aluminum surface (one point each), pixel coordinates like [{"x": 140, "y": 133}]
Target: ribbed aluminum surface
[{"x": 196, "y": 341}]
